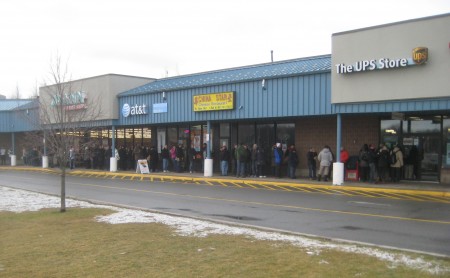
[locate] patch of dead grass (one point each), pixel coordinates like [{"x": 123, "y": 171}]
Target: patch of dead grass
[{"x": 72, "y": 244}]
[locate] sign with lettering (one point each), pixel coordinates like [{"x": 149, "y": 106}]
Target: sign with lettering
[
  {"x": 419, "y": 57},
  {"x": 142, "y": 167},
  {"x": 133, "y": 110},
  {"x": 72, "y": 101},
  {"x": 214, "y": 102}
]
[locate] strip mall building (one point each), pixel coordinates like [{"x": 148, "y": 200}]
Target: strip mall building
[{"x": 384, "y": 84}]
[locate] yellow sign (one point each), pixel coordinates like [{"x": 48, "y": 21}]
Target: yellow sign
[{"x": 213, "y": 102}]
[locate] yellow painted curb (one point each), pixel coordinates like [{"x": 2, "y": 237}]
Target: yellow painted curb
[{"x": 250, "y": 182}]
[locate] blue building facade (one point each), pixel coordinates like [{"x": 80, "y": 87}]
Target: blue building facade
[{"x": 302, "y": 102}]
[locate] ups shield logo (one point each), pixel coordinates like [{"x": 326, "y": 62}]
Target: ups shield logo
[{"x": 420, "y": 55}]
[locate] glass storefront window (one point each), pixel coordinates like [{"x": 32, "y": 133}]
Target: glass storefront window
[
  {"x": 196, "y": 135},
  {"x": 286, "y": 135},
  {"x": 265, "y": 136},
  {"x": 390, "y": 131},
  {"x": 146, "y": 136},
  {"x": 425, "y": 126},
  {"x": 246, "y": 133},
  {"x": 161, "y": 131},
  {"x": 224, "y": 134},
  {"x": 172, "y": 136},
  {"x": 183, "y": 134}
]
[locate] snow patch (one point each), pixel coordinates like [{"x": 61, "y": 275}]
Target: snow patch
[{"x": 20, "y": 201}]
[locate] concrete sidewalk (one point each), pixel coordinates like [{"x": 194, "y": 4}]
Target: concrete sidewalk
[{"x": 407, "y": 185}]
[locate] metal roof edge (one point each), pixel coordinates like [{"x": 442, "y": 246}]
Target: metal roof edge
[
  {"x": 151, "y": 79},
  {"x": 254, "y": 66}
]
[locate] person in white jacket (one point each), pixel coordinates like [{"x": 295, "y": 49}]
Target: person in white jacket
[{"x": 325, "y": 158}]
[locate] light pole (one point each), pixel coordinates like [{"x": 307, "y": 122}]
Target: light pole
[
  {"x": 45, "y": 157},
  {"x": 13, "y": 149}
]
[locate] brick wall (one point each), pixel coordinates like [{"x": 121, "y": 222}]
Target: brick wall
[{"x": 319, "y": 131}]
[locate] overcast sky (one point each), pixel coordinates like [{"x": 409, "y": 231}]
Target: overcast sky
[{"x": 159, "y": 38}]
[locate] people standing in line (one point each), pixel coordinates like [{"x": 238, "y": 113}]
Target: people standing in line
[
  {"x": 248, "y": 162},
  {"x": 173, "y": 156},
  {"x": 131, "y": 163},
  {"x": 344, "y": 156},
  {"x": 116, "y": 154},
  {"x": 191, "y": 157},
  {"x": 364, "y": 163},
  {"x": 95, "y": 156},
  {"x": 383, "y": 163},
  {"x": 179, "y": 158},
  {"x": 372, "y": 164},
  {"x": 254, "y": 160},
  {"x": 165, "y": 155},
  {"x": 72, "y": 157},
  {"x": 260, "y": 162},
  {"x": 101, "y": 158},
  {"x": 241, "y": 157},
  {"x": 224, "y": 160},
  {"x": 278, "y": 159},
  {"x": 153, "y": 166},
  {"x": 24, "y": 156},
  {"x": 136, "y": 155},
  {"x": 397, "y": 165},
  {"x": 108, "y": 155},
  {"x": 292, "y": 161},
  {"x": 311, "y": 157},
  {"x": 3, "y": 155},
  {"x": 234, "y": 160},
  {"x": 87, "y": 157},
  {"x": 204, "y": 155},
  {"x": 325, "y": 158},
  {"x": 414, "y": 159}
]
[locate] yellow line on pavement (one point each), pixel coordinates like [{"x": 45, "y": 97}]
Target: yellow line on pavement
[
  {"x": 251, "y": 185},
  {"x": 343, "y": 192},
  {"x": 320, "y": 190},
  {"x": 389, "y": 195}
]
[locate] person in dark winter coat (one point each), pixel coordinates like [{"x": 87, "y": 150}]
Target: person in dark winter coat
[
  {"x": 383, "y": 163},
  {"x": 153, "y": 159},
  {"x": 165, "y": 155},
  {"x": 192, "y": 157},
  {"x": 260, "y": 161},
  {"x": 241, "y": 158},
  {"x": 254, "y": 165},
  {"x": 364, "y": 162},
  {"x": 224, "y": 160},
  {"x": 311, "y": 157},
  {"x": 372, "y": 164},
  {"x": 292, "y": 161}
]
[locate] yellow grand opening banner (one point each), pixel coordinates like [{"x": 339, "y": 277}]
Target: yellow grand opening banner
[{"x": 213, "y": 102}]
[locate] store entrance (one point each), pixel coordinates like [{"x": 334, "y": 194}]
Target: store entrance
[{"x": 422, "y": 157}]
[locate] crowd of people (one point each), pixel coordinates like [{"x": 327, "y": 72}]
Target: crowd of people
[
  {"x": 4, "y": 155},
  {"x": 381, "y": 164},
  {"x": 375, "y": 165}
]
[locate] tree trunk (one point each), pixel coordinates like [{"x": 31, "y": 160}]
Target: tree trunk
[{"x": 63, "y": 189}]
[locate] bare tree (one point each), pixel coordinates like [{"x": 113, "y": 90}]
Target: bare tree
[
  {"x": 17, "y": 95},
  {"x": 64, "y": 112}
]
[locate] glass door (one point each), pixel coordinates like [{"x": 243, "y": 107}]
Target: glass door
[
  {"x": 421, "y": 157},
  {"x": 429, "y": 166}
]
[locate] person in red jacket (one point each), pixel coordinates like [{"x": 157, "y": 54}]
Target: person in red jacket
[{"x": 344, "y": 155}]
